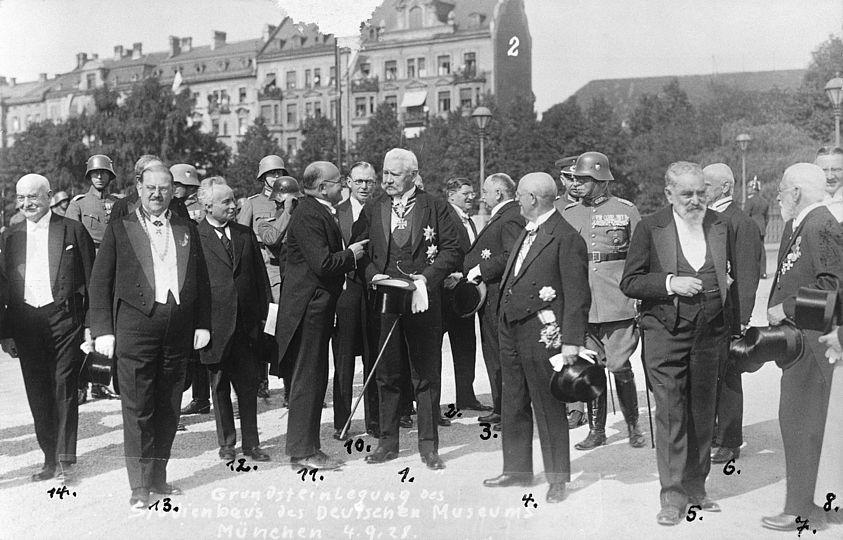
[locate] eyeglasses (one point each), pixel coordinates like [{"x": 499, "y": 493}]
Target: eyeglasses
[
  {"x": 780, "y": 190},
  {"x": 157, "y": 189},
  {"x": 362, "y": 181}
]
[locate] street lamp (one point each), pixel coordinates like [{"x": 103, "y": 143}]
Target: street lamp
[
  {"x": 743, "y": 141},
  {"x": 834, "y": 91},
  {"x": 482, "y": 116}
]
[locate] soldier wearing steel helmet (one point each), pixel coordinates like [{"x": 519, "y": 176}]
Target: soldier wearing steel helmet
[
  {"x": 186, "y": 185},
  {"x": 606, "y": 223},
  {"x": 59, "y": 203},
  {"x": 93, "y": 208},
  {"x": 258, "y": 208}
]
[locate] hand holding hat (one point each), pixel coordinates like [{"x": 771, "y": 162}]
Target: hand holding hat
[{"x": 832, "y": 341}]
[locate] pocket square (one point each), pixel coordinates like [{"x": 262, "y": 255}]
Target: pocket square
[
  {"x": 186, "y": 239},
  {"x": 68, "y": 248}
]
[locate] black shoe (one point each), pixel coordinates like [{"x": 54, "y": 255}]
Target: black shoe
[
  {"x": 406, "y": 422},
  {"x": 636, "y": 438},
  {"x": 64, "y": 473},
  {"x": 444, "y": 422},
  {"x": 706, "y": 504},
  {"x": 256, "y": 453},
  {"x": 181, "y": 427},
  {"x": 227, "y": 453},
  {"x": 787, "y": 522},
  {"x": 263, "y": 389},
  {"x": 99, "y": 391},
  {"x": 433, "y": 461},
  {"x": 197, "y": 407},
  {"x": 381, "y": 455},
  {"x": 47, "y": 471},
  {"x": 475, "y": 406},
  {"x": 492, "y": 418},
  {"x": 669, "y": 516},
  {"x": 724, "y": 454},
  {"x": 506, "y": 480},
  {"x": 374, "y": 432},
  {"x": 316, "y": 461},
  {"x": 139, "y": 499},
  {"x": 166, "y": 489},
  {"x": 82, "y": 396},
  {"x": 576, "y": 419},
  {"x": 556, "y": 493},
  {"x": 592, "y": 440}
]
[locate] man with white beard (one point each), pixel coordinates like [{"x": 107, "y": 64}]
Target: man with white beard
[{"x": 678, "y": 264}]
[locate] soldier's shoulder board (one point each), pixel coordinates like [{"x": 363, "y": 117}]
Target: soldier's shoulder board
[
  {"x": 78, "y": 197},
  {"x": 626, "y": 202},
  {"x": 252, "y": 196}
]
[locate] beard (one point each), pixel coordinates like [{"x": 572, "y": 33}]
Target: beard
[
  {"x": 788, "y": 212},
  {"x": 693, "y": 216}
]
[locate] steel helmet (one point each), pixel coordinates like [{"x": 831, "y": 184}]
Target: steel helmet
[
  {"x": 99, "y": 162},
  {"x": 595, "y": 165},
  {"x": 271, "y": 163},
  {"x": 58, "y": 198},
  {"x": 283, "y": 186},
  {"x": 185, "y": 174}
]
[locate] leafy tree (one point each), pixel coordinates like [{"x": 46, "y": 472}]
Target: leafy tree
[
  {"x": 379, "y": 135},
  {"x": 826, "y": 62},
  {"x": 319, "y": 144},
  {"x": 256, "y": 143}
]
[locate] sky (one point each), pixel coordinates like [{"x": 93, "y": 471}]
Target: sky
[{"x": 574, "y": 41}]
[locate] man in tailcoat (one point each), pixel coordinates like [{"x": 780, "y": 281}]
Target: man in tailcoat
[
  {"x": 151, "y": 308},
  {"x": 758, "y": 208},
  {"x": 317, "y": 264},
  {"x": 411, "y": 237},
  {"x": 678, "y": 264},
  {"x": 46, "y": 260},
  {"x": 485, "y": 261},
  {"x": 544, "y": 288},
  {"x": 238, "y": 312},
  {"x": 810, "y": 255}
]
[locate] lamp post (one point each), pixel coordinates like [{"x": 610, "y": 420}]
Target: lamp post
[
  {"x": 482, "y": 116},
  {"x": 743, "y": 141},
  {"x": 834, "y": 91}
]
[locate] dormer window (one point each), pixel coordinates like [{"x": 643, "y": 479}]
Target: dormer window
[{"x": 415, "y": 17}]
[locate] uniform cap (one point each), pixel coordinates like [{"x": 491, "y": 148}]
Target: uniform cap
[
  {"x": 595, "y": 165},
  {"x": 99, "y": 162},
  {"x": 271, "y": 163},
  {"x": 185, "y": 174},
  {"x": 566, "y": 165}
]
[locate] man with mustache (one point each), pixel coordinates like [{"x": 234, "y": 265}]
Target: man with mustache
[
  {"x": 678, "y": 264},
  {"x": 238, "y": 308},
  {"x": 830, "y": 160}
]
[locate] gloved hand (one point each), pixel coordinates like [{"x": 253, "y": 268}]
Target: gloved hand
[
  {"x": 105, "y": 345},
  {"x": 419, "y": 302},
  {"x": 201, "y": 338}
]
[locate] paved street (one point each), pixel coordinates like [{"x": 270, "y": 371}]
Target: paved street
[{"x": 613, "y": 494}]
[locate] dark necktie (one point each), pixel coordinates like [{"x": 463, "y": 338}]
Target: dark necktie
[{"x": 226, "y": 243}]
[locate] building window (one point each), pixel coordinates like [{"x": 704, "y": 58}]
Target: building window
[
  {"x": 443, "y": 65},
  {"x": 391, "y": 102},
  {"x": 276, "y": 115},
  {"x": 225, "y": 129},
  {"x": 333, "y": 110},
  {"x": 91, "y": 79},
  {"x": 317, "y": 77},
  {"x": 291, "y": 80},
  {"x": 28, "y": 120},
  {"x": 332, "y": 74},
  {"x": 242, "y": 127},
  {"x": 420, "y": 66},
  {"x": 415, "y": 17},
  {"x": 365, "y": 69},
  {"x": 242, "y": 92},
  {"x": 444, "y": 101},
  {"x": 360, "y": 107},
  {"x": 292, "y": 146},
  {"x": 465, "y": 97},
  {"x": 196, "y": 97},
  {"x": 266, "y": 113},
  {"x": 372, "y": 105},
  {"x": 317, "y": 109},
  {"x": 15, "y": 123},
  {"x": 411, "y": 68},
  {"x": 308, "y": 109},
  {"x": 308, "y": 82},
  {"x": 215, "y": 126},
  {"x": 469, "y": 61},
  {"x": 390, "y": 70},
  {"x": 292, "y": 114}
]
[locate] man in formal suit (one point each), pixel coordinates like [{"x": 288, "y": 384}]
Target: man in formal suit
[
  {"x": 485, "y": 261},
  {"x": 47, "y": 261},
  {"x": 411, "y": 237},
  {"x": 460, "y": 330},
  {"x": 544, "y": 287},
  {"x": 678, "y": 265},
  {"x": 131, "y": 202},
  {"x": 151, "y": 307},
  {"x": 238, "y": 311},
  {"x": 757, "y": 208},
  {"x": 830, "y": 160},
  {"x": 317, "y": 264},
  {"x": 810, "y": 255},
  {"x": 719, "y": 182},
  {"x": 349, "y": 339}
]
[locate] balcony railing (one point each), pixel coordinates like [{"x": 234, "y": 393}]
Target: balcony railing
[
  {"x": 414, "y": 118},
  {"x": 469, "y": 75},
  {"x": 369, "y": 84},
  {"x": 274, "y": 94}
]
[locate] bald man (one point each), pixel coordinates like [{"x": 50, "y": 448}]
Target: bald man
[
  {"x": 47, "y": 260},
  {"x": 545, "y": 281},
  {"x": 810, "y": 255}
]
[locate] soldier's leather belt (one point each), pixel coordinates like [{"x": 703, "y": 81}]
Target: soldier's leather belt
[{"x": 599, "y": 256}]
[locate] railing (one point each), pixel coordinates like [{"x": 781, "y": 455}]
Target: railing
[
  {"x": 271, "y": 94},
  {"x": 369, "y": 84},
  {"x": 414, "y": 118},
  {"x": 469, "y": 75}
]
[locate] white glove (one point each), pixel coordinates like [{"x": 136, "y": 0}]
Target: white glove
[
  {"x": 378, "y": 277},
  {"x": 474, "y": 274},
  {"x": 105, "y": 345},
  {"x": 557, "y": 361},
  {"x": 419, "y": 303},
  {"x": 201, "y": 338}
]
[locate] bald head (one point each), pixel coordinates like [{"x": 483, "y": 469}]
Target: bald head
[
  {"x": 322, "y": 179},
  {"x": 33, "y": 196},
  {"x": 536, "y": 193},
  {"x": 719, "y": 181},
  {"x": 802, "y": 185}
]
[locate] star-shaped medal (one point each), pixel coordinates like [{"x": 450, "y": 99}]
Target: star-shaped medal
[
  {"x": 485, "y": 254},
  {"x": 429, "y": 233}
]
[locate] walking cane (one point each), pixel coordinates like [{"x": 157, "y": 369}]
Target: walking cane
[
  {"x": 647, "y": 390},
  {"x": 611, "y": 392}
]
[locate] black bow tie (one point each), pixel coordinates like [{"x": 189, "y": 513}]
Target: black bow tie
[
  {"x": 220, "y": 230},
  {"x": 158, "y": 223}
]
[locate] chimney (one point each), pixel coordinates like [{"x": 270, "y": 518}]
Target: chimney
[
  {"x": 95, "y": 56},
  {"x": 12, "y": 81},
  {"x": 3, "y": 81},
  {"x": 118, "y": 52},
  {"x": 81, "y": 58},
  {"x": 175, "y": 46},
  {"x": 137, "y": 50},
  {"x": 268, "y": 29},
  {"x": 42, "y": 78},
  {"x": 186, "y": 44},
  {"x": 218, "y": 40}
]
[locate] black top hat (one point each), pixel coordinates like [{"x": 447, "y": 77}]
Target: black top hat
[
  {"x": 99, "y": 369},
  {"x": 816, "y": 309},
  {"x": 394, "y": 296},
  {"x": 467, "y": 297},
  {"x": 783, "y": 344},
  {"x": 581, "y": 381}
]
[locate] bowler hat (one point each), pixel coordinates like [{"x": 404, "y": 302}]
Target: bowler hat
[
  {"x": 467, "y": 297},
  {"x": 580, "y": 381},
  {"x": 782, "y": 344},
  {"x": 816, "y": 309}
]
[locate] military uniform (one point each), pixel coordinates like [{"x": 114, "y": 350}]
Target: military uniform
[
  {"x": 93, "y": 209},
  {"x": 195, "y": 210},
  {"x": 256, "y": 208},
  {"x": 606, "y": 224}
]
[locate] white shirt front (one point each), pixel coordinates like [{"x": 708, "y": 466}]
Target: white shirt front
[
  {"x": 722, "y": 204},
  {"x": 164, "y": 261},
  {"x": 531, "y": 228},
  {"x": 691, "y": 241},
  {"x": 214, "y": 223},
  {"x": 356, "y": 208},
  {"x": 37, "y": 289},
  {"x": 403, "y": 200},
  {"x": 465, "y": 223}
]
